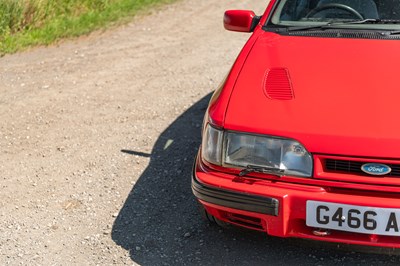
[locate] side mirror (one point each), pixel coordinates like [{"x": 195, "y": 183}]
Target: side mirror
[{"x": 240, "y": 20}]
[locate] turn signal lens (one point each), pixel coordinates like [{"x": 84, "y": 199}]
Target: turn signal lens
[{"x": 212, "y": 145}]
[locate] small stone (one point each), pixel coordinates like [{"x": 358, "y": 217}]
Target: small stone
[{"x": 187, "y": 235}]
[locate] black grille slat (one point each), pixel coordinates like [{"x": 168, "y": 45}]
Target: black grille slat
[{"x": 354, "y": 167}]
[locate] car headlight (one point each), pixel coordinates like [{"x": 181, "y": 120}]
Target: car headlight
[{"x": 240, "y": 150}]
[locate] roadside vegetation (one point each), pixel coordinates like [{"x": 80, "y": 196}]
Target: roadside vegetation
[{"x": 25, "y": 23}]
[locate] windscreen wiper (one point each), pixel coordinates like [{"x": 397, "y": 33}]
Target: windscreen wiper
[
  {"x": 262, "y": 169},
  {"x": 331, "y": 25},
  {"x": 319, "y": 27}
]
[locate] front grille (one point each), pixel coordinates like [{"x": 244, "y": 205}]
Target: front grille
[{"x": 354, "y": 167}]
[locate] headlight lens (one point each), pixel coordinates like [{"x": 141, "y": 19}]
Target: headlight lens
[
  {"x": 233, "y": 149},
  {"x": 242, "y": 150}
]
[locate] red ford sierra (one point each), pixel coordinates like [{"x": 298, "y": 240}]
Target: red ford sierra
[{"x": 302, "y": 139}]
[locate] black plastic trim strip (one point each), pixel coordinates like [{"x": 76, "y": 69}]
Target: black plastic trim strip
[
  {"x": 235, "y": 200},
  {"x": 336, "y": 33},
  {"x": 254, "y": 23}
]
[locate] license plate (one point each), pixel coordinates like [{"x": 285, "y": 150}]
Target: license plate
[{"x": 351, "y": 218}]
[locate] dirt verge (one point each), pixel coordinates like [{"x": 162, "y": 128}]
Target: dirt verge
[{"x": 97, "y": 138}]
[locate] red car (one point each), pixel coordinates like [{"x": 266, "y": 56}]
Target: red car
[{"x": 302, "y": 139}]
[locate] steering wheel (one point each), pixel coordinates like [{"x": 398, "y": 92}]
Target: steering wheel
[{"x": 333, "y": 6}]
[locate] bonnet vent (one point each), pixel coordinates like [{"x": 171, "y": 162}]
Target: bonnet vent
[{"x": 277, "y": 84}]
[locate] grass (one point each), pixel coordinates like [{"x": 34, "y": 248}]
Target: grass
[{"x": 25, "y": 23}]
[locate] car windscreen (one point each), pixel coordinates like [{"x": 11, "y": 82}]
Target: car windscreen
[{"x": 373, "y": 14}]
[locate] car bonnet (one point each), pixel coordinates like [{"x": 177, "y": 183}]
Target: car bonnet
[{"x": 334, "y": 95}]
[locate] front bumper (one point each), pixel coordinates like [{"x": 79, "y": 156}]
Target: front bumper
[
  {"x": 235, "y": 200},
  {"x": 279, "y": 208}
]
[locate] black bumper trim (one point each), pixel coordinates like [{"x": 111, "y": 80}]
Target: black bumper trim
[{"x": 235, "y": 200}]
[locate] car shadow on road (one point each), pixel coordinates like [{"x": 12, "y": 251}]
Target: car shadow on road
[{"x": 160, "y": 224}]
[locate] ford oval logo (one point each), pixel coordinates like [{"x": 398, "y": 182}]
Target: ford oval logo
[{"x": 376, "y": 169}]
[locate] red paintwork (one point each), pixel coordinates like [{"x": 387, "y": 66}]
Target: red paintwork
[
  {"x": 220, "y": 99},
  {"x": 238, "y": 20},
  {"x": 345, "y": 105},
  {"x": 345, "y": 102}
]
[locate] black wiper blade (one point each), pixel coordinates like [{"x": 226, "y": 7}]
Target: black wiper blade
[
  {"x": 322, "y": 27},
  {"x": 330, "y": 25},
  {"x": 261, "y": 169}
]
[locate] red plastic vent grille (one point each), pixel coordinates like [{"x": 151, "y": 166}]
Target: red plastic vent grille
[{"x": 277, "y": 84}]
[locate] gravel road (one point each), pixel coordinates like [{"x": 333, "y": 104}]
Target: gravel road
[{"x": 97, "y": 139}]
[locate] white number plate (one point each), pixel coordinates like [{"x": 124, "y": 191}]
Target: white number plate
[{"x": 358, "y": 219}]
